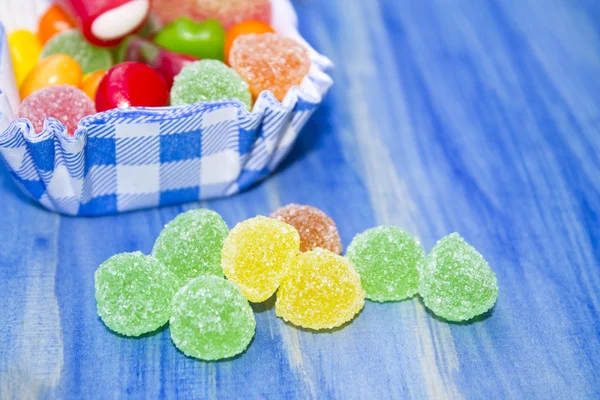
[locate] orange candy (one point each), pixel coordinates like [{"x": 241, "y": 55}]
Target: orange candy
[
  {"x": 54, "y": 20},
  {"x": 244, "y": 28},
  {"x": 58, "y": 69},
  {"x": 90, "y": 83}
]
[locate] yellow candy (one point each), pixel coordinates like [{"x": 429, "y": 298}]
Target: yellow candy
[
  {"x": 320, "y": 291},
  {"x": 256, "y": 255},
  {"x": 25, "y": 50},
  {"x": 58, "y": 69}
]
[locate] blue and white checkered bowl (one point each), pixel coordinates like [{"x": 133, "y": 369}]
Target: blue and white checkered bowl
[{"x": 127, "y": 159}]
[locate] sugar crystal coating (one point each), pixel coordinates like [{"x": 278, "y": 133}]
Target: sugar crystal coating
[
  {"x": 190, "y": 245},
  {"x": 134, "y": 293},
  {"x": 320, "y": 291},
  {"x": 269, "y": 61},
  {"x": 211, "y": 319},
  {"x": 457, "y": 283},
  {"x": 72, "y": 43},
  {"x": 386, "y": 257},
  {"x": 257, "y": 253},
  {"x": 208, "y": 80},
  {"x": 228, "y": 12},
  {"x": 316, "y": 228},
  {"x": 64, "y": 102}
]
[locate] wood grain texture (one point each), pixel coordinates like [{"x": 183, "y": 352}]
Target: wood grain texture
[{"x": 473, "y": 116}]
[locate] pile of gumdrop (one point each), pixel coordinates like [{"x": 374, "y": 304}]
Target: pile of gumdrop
[
  {"x": 90, "y": 56},
  {"x": 201, "y": 277}
]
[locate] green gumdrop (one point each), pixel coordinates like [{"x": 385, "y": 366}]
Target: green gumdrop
[
  {"x": 457, "y": 283},
  {"x": 386, "y": 258},
  {"x": 208, "y": 80},
  {"x": 191, "y": 244},
  {"x": 72, "y": 43},
  {"x": 204, "y": 40},
  {"x": 211, "y": 319},
  {"x": 134, "y": 293}
]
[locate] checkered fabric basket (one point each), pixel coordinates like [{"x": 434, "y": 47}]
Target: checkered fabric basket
[{"x": 127, "y": 159}]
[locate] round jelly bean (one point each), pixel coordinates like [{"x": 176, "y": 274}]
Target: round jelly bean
[
  {"x": 25, "y": 50},
  {"x": 244, "y": 28},
  {"x": 131, "y": 84},
  {"x": 90, "y": 83},
  {"x": 203, "y": 40},
  {"x": 53, "y": 21},
  {"x": 58, "y": 69}
]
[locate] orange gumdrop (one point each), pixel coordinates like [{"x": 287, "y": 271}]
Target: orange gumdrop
[
  {"x": 244, "y": 28},
  {"x": 54, "y": 20},
  {"x": 58, "y": 69},
  {"x": 90, "y": 83}
]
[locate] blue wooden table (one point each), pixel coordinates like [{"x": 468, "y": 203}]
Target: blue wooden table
[{"x": 480, "y": 117}]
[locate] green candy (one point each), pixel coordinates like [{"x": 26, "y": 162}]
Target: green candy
[
  {"x": 72, "y": 43},
  {"x": 208, "y": 80},
  {"x": 386, "y": 259},
  {"x": 199, "y": 39},
  {"x": 457, "y": 283},
  {"x": 190, "y": 245},
  {"x": 211, "y": 319},
  {"x": 134, "y": 293}
]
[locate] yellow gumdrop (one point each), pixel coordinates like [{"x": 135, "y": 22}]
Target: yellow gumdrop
[
  {"x": 320, "y": 291},
  {"x": 57, "y": 69},
  {"x": 256, "y": 255},
  {"x": 25, "y": 49}
]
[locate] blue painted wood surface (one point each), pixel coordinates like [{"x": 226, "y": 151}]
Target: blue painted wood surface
[{"x": 479, "y": 117}]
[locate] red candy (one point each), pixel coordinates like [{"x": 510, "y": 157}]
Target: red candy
[
  {"x": 106, "y": 22},
  {"x": 64, "y": 102},
  {"x": 132, "y": 84}
]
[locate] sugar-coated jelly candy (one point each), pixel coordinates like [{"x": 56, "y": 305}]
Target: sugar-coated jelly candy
[
  {"x": 191, "y": 244},
  {"x": 25, "y": 50},
  {"x": 256, "y": 255},
  {"x": 456, "y": 282},
  {"x": 131, "y": 84},
  {"x": 72, "y": 43},
  {"x": 168, "y": 63},
  {"x": 387, "y": 259},
  {"x": 58, "y": 69},
  {"x": 53, "y": 21},
  {"x": 90, "y": 83},
  {"x": 64, "y": 102},
  {"x": 321, "y": 290},
  {"x": 106, "y": 22},
  {"x": 211, "y": 319},
  {"x": 244, "y": 28},
  {"x": 228, "y": 12},
  {"x": 208, "y": 80},
  {"x": 204, "y": 39},
  {"x": 269, "y": 62},
  {"x": 316, "y": 228},
  {"x": 134, "y": 293}
]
